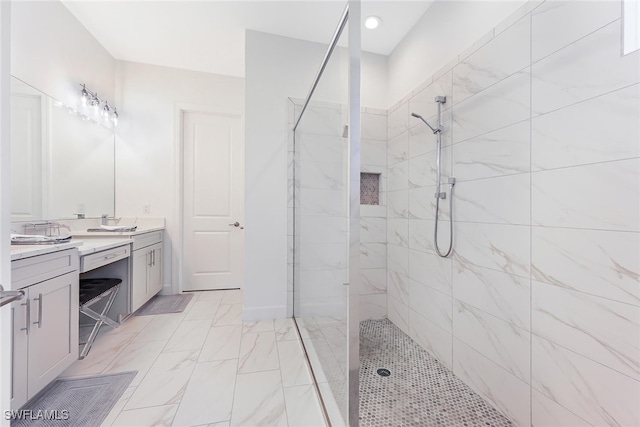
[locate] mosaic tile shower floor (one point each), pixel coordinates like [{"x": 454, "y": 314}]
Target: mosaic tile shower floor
[{"x": 420, "y": 390}]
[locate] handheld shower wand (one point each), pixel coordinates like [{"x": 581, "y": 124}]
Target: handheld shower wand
[
  {"x": 452, "y": 181},
  {"x": 434, "y": 130}
]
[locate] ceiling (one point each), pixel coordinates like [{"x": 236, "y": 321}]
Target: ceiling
[{"x": 208, "y": 35}]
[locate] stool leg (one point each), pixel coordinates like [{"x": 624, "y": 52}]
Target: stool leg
[{"x": 100, "y": 319}]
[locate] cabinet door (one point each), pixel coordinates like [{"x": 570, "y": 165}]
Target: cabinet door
[
  {"x": 19, "y": 339},
  {"x": 139, "y": 285},
  {"x": 155, "y": 270},
  {"x": 53, "y": 334}
]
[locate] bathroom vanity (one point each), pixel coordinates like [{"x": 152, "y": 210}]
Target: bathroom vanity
[{"x": 46, "y": 322}]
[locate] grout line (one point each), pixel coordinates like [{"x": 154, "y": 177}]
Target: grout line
[
  {"x": 585, "y": 164},
  {"x": 586, "y": 99},
  {"x": 530, "y": 217},
  {"x": 555, "y": 344},
  {"x": 569, "y": 44}
]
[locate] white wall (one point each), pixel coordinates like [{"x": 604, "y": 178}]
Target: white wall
[
  {"x": 445, "y": 29},
  {"x": 147, "y": 96},
  {"x": 54, "y": 53},
  {"x": 277, "y": 68}
]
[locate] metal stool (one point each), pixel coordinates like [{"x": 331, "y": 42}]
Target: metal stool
[{"x": 91, "y": 292}]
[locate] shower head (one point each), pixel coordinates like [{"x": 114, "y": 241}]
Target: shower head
[{"x": 418, "y": 116}]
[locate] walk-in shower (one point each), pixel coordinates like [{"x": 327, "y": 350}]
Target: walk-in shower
[{"x": 437, "y": 131}]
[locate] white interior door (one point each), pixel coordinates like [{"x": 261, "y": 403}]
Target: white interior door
[{"x": 213, "y": 201}]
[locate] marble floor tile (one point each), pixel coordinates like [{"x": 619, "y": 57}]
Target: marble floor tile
[
  {"x": 203, "y": 310},
  {"x": 166, "y": 381},
  {"x": 293, "y": 365},
  {"x": 161, "y": 328},
  {"x": 209, "y": 394},
  {"x": 223, "y": 342},
  {"x": 157, "y": 416},
  {"x": 259, "y": 400},
  {"x": 303, "y": 407},
  {"x": 232, "y": 296},
  {"x": 258, "y": 352},
  {"x": 285, "y": 329},
  {"x": 137, "y": 356},
  {"x": 133, "y": 325},
  {"x": 190, "y": 335},
  {"x": 259, "y": 326},
  {"x": 104, "y": 350},
  {"x": 228, "y": 314}
]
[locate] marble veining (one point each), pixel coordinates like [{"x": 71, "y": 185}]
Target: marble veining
[
  {"x": 398, "y": 204},
  {"x": 602, "y": 263},
  {"x": 501, "y": 342},
  {"x": 506, "y": 54},
  {"x": 587, "y": 68},
  {"x": 603, "y": 196},
  {"x": 504, "y": 390},
  {"x": 503, "y": 104},
  {"x": 586, "y": 388},
  {"x": 498, "y": 246},
  {"x": 596, "y": 327},
  {"x": 574, "y": 135},
  {"x": 501, "y": 294},
  {"x": 505, "y": 151}
]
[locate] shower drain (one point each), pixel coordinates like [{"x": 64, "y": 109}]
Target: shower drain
[{"x": 383, "y": 372}]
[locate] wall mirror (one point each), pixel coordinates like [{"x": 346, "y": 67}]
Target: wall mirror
[{"x": 62, "y": 163}]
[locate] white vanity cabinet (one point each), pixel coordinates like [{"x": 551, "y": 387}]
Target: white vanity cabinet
[
  {"x": 44, "y": 322},
  {"x": 146, "y": 268}
]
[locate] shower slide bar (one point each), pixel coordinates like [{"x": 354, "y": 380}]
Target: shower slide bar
[
  {"x": 325, "y": 61},
  {"x": 437, "y": 131}
]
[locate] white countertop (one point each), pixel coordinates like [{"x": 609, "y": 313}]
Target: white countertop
[
  {"x": 85, "y": 246},
  {"x": 90, "y": 246},
  {"x": 101, "y": 234},
  {"x": 26, "y": 251}
]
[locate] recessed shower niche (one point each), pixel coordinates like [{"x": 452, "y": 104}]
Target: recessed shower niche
[{"x": 369, "y": 188}]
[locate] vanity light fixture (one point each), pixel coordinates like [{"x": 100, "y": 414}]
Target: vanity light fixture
[
  {"x": 107, "y": 113},
  {"x": 372, "y": 22}
]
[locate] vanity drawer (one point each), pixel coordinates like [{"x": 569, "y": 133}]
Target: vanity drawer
[
  {"x": 147, "y": 239},
  {"x": 28, "y": 271},
  {"x": 98, "y": 259}
]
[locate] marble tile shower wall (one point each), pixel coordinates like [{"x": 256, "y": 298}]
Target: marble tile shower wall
[
  {"x": 320, "y": 189},
  {"x": 373, "y": 219},
  {"x": 538, "y": 310}
]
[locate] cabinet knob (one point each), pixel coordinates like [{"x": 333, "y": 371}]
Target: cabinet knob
[{"x": 235, "y": 224}]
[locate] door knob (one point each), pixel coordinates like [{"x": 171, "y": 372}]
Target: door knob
[{"x": 235, "y": 224}]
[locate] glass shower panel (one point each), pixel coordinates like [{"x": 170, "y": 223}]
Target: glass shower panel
[{"x": 320, "y": 188}]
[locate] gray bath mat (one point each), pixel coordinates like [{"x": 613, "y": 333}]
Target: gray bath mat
[
  {"x": 163, "y": 304},
  {"x": 75, "y": 402}
]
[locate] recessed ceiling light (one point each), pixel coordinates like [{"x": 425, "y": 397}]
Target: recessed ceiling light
[{"x": 372, "y": 22}]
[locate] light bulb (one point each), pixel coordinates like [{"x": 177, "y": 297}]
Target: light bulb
[
  {"x": 372, "y": 22},
  {"x": 85, "y": 96}
]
